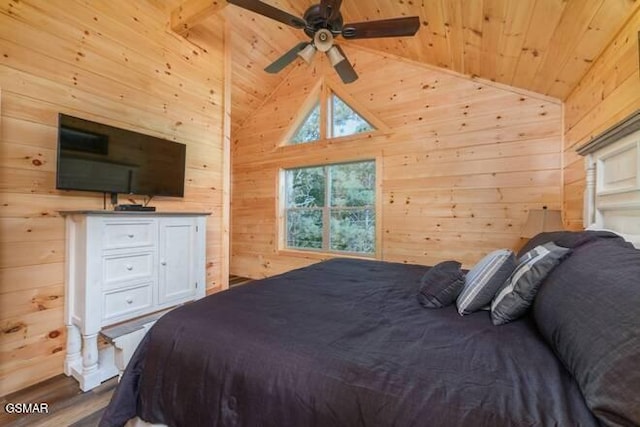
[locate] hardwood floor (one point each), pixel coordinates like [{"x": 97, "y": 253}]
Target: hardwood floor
[
  {"x": 237, "y": 281},
  {"x": 68, "y": 405}
]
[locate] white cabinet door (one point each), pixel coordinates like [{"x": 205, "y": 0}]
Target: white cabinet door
[{"x": 176, "y": 252}]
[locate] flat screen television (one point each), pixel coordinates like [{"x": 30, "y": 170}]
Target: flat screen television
[{"x": 97, "y": 157}]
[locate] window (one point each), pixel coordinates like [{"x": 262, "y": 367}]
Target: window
[
  {"x": 310, "y": 129},
  {"x": 331, "y": 208},
  {"x": 341, "y": 120},
  {"x": 344, "y": 121}
]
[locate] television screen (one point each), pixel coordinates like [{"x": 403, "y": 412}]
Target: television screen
[{"x": 97, "y": 157}]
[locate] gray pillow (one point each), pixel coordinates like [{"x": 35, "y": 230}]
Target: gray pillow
[
  {"x": 571, "y": 239},
  {"x": 588, "y": 310},
  {"x": 441, "y": 285},
  {"x": 517, "y": 293},
  {"x": 484, "y": 279}
]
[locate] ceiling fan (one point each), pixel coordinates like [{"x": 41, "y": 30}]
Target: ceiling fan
[{"x": 323, "y": 23}]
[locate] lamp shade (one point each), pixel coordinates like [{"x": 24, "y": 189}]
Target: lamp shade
[
  {"x": 307, "y": 53},
  {"x": 542, "y": 220},
  {"x": 334, "y": 56}
]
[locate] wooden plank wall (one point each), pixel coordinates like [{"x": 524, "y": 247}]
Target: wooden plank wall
[
  {"x": 461, "y": 167},
  {"x": 112, "y": 62},
  {"x": 607, "y": 94}
]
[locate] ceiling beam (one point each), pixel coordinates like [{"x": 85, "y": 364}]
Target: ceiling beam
[{"x": 192, "y": 12}]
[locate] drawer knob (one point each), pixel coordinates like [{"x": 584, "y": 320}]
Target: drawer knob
[
  {"x": 129, "y": 300},
  {"x": 129, "y": 267},
  {"x": 130, "y": 236},
  {"x": 163, "y": 263}
]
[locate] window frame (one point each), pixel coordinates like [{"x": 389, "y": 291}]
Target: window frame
[
  {"x": 321, "y": 93},
  {"x": 327, "y": 209}
]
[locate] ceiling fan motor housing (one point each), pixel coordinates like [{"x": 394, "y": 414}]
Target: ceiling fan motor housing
[{"x": 316, "y": 21}]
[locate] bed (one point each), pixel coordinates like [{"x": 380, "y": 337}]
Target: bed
[{"x": 345, "y": 343}]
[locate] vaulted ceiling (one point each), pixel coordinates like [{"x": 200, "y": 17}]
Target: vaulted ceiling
[{"x": 544, "y": 46}]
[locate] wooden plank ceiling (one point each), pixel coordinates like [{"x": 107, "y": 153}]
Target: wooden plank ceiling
[{"x": 544, "y": 46}]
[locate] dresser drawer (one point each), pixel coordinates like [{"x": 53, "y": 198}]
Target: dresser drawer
[
  {"x": 126, "y": 302},
  {"x": 121, "y": 235},
  {"x": 124, "y": 268}
]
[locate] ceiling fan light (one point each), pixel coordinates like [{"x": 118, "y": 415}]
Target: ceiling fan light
[
  {"x": 307, "y": 53},
  {"x": 335, "y": 57},
  {"x": 323, "y": 40}
]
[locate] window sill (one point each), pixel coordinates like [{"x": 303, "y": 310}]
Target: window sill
[{"x": 328, "y": 142}]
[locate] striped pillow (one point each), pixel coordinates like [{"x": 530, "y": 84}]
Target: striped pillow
[
  {"x": 518, "y": 292},
  {"x": 484, "y": 279}
]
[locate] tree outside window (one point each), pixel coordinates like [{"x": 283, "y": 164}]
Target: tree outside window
[
  {"x": 345, "y": 121},
  {"x": 331, "y": 208},
  {"x": 309, "y": 131}
]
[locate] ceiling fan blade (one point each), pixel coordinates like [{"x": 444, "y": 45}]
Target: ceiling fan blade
[
  {"x": 394, "y": 27},
  {"x": 344, "y": 68},
  {"x": 330, "y": 8},
  {"x": 270, "y": 12},
  {"x": 286, "y": 59}
]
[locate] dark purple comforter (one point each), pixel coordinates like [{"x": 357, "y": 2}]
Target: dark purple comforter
[{"x": 342, "y": 343}]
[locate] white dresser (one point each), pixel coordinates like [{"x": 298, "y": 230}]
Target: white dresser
[{"x": 120, "y": 266}]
